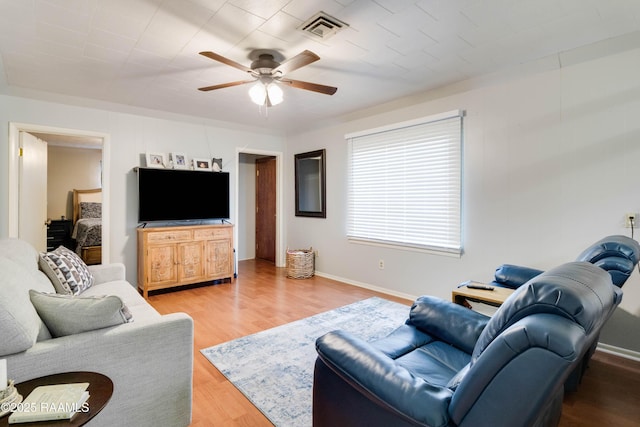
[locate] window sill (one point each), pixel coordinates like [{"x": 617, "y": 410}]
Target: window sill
[{"x": 453, "y": 253}]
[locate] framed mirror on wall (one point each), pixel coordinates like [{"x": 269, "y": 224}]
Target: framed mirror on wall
[{"x": 310, "y": 172}]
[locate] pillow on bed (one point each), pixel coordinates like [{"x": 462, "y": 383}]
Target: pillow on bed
[
  {"x": 70, "y": 315},
  {"x": 90, "y": 210},
  {"x": 66, "y": 270}
]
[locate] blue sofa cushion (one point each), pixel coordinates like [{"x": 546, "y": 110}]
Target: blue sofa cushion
[
  {"x": 424, "y": 355},
  {"x": 367, "y": 369},
  {"x": 579, "y": 291},
  {"x": 447, "y": 322}
]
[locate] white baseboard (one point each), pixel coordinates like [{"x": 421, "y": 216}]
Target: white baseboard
[
  {"x": 368, "y": 286},
  {"x": 619, "y": 351}
]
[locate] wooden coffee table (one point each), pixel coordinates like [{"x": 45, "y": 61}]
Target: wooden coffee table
[
  {"x": 495, "y": 297},
  {"x": 100, "y": 390}
]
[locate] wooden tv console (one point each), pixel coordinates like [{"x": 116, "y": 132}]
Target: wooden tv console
[{"x": 176, "y": 256}]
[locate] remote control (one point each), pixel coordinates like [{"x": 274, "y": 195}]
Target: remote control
[{"x": 483, "y": 287}]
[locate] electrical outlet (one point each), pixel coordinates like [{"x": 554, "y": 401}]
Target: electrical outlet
[
  {"x": 316, "y": 253},
  {"x": 630, "y": 220},
  {"x": 381, "y": 264}
]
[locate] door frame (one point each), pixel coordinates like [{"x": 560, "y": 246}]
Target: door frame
[
  {"x": 280, "y": 250},
  {"x": 14, "y": 175}
]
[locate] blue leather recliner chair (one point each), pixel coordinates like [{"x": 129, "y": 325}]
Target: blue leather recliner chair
[
  {"x": 617, "y": 255},
  {"x": 451, "y": 366}
]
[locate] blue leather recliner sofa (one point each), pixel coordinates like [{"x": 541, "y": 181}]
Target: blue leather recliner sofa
[{"x": 451, "y": 366}]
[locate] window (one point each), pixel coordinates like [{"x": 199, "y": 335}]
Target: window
[{"x": 405, "y": 184}]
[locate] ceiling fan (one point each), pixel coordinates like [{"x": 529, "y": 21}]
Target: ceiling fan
[{"x": 268, "y": 72}]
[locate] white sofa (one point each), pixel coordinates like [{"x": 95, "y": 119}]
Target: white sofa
[{"x": 149, "y": 360}]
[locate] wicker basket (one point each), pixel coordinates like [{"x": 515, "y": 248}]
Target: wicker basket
[{"x": 300, "y": 263}]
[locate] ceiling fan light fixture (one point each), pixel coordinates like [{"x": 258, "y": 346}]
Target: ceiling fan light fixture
[
  {"x": 266, "y": 94},
  {"x": 275, "y": 94},
  {"x": 268, "y": 72},
  {"x": 258, "y": 93}
]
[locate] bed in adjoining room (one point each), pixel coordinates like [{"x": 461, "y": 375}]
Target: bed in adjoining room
[{"x": 87, "y": 224}]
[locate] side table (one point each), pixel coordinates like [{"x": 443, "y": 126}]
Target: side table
[
  {"x": 59, "y": 233},
  {"x": 100, "y": 391},
  {"x": 495, "y": 297}
]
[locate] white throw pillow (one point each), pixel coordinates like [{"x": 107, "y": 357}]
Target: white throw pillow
[
  {"x": 66, "y": 270},
  {"x": 69, "y": 315}
]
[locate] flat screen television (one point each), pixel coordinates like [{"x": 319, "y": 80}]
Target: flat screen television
[{"x": 181, "y": 195}]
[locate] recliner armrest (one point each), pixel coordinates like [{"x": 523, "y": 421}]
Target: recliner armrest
[
  {"x": 514, "y": 276},
  {"x": 449, "y": 322},
  {"x": 368, "y": 369}
]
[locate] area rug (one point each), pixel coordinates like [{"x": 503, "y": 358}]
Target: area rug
[{"x": 274, "y": 368}]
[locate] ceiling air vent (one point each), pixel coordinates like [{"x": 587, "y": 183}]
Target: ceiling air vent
[{"x": 322, "y": 26}]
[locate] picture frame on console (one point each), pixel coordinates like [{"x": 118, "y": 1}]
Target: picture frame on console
[
  {"x": 178, "y": 160},
  {"x": 155, "y": 160},
  {"x": 216, "y": 165},
  {"x": 202, "y": 164}
]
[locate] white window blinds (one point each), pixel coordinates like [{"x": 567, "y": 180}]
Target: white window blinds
[{"x": 405, "y": 184}]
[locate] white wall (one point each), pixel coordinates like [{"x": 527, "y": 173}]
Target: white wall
[
  {"x": 131, "y": 135},
  {"x": 551, "y": 164}
]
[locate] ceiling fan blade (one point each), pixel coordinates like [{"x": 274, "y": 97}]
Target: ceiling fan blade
[
  {"x": 227, "y": 61},
  {"x": 327, "y": 90},
  {"x": 223, "y": 85},
  {"x": 298, "y": 61}
]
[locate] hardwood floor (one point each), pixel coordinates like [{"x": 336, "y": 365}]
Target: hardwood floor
[{"x": 263, "y": 297}]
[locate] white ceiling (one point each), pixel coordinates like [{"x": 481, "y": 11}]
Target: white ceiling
[{"x": 144, "y": 53}]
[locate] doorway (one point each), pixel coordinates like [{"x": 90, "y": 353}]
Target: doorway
[
  {"x": 248, "y": 193},
  {"x": 74, "y": 139}
]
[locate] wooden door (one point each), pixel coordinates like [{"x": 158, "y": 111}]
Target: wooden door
[{"x": 266, "y": 208}]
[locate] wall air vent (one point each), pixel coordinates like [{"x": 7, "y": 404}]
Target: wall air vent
[{"x": 322, "y": 26}]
